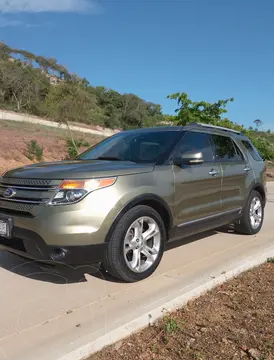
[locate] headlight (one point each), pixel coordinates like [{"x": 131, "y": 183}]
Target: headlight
[{"x": 72, "y": 191}]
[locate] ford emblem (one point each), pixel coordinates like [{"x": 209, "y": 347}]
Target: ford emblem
[{"x": 9, "y": 193}]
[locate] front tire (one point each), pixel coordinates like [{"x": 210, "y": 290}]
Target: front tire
[
  {"x": 136, "y": 245},
  {"x": 253, "y": 215}
]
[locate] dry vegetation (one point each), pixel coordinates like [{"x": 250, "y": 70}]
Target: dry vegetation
[
  {"x": 234, "y": 321},
  {"x": 270, "y": 171},
  {"x": 15, "y": 136}
]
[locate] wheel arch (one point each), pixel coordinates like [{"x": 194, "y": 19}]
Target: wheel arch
[
  {"x": 152, "y": 200},
  {"x": 261, "y": 190}
]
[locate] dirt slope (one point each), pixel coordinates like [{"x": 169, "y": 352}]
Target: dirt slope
[{"x": 15, "y": 136}]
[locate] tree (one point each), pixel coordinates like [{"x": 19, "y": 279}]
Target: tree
[
  {"x": 21, "y": 86},
  {"x": 70, "y": 102},
  {"x": 27, "y": 83},
  {"x": 211, "y": 113},
  {"x": 258, "y": 123},
  {"x": 198, "y": 111}
]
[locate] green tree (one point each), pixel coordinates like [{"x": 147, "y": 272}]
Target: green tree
[
  {"x": 27, "y": 84},
  {"x": 22, "y": 87},
  {"x": 70, "y": 102},
  {"x": 212, "y": 113},
  {"x": 258, "y": 123},
  {"x": 198, "y": 111}
]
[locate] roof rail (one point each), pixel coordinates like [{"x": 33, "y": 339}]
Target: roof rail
[{"x": 215, "y": 127}]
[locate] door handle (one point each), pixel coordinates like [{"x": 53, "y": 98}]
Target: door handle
[
  {"x": 247, "y": 169},
  {"x": 213, "y": 172}
]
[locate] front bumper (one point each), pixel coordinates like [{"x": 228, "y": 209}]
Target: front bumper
[{"x": 29, "y": 244}]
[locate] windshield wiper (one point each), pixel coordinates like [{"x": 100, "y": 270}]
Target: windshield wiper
[{"x": 108, "y": 158}]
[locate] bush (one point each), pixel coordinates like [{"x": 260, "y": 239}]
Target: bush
[
  {"x": 34, "y": 151},
  {"x": 264, "y": 146},
  {"x": 72, "y": 152}
]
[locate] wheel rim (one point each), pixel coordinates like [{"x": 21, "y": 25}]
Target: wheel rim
[
  {"x": 142, "y": 244},
  {"x": 255, "y": 213}
]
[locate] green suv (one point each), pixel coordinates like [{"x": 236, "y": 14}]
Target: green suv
[{"x": 120, "y": 201}]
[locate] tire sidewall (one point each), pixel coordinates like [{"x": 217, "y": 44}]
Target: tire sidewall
[
  {"x": 247, "y": 212},
  {"x": 119, "y": 234}
]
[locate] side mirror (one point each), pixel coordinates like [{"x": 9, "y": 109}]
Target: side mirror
[{"x": 189, "y": 158}]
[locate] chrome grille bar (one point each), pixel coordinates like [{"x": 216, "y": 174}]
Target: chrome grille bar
[
  {"x": 28, "y": 187},
  {"x": 27, "y": 191},
  {"x": 37, "y": 202}
]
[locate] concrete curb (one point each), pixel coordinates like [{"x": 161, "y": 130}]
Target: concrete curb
[
  {"x": 150, "y": 317},
  {"x": 18, "y": 117}
]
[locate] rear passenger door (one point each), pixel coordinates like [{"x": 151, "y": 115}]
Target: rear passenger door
[
  {"x": 197, "y": 187},
  {"x": 234, "y": 171}
]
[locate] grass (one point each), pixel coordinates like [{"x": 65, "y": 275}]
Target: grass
[{"x": 48, "y": 131}]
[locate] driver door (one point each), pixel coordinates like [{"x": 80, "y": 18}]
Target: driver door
[{"x": 197, "y": 186}]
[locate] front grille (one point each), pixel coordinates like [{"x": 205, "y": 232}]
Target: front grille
[
  {"x": 15, "y": 206},
  {"x": 29, "y": 182},
  {"x": 27, "y": 193},
  {"x": 16, "y": 244}
]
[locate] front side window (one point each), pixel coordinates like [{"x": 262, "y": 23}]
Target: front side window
[
  {"x": 138, "y": 147},
  {"x": 196, "y": 142},
  {"x": 225, "y": 150}
]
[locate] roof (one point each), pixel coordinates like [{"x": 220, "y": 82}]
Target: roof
[
  {"x": 157, "y": 129},
  {"x": 189, "y": 127},
  {"x": 210, "y": 128}
]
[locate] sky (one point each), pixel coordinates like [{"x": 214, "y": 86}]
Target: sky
[{"x": 210, "y": 49}]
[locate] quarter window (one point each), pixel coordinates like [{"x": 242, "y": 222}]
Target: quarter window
[
  {"x": 252, "y": 150},
  {"x": 196, "y": 142}
]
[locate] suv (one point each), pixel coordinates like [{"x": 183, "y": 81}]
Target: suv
[{"x": 120, "y": 201}]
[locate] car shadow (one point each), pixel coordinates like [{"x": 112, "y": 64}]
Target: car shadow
[
  {"x": 53, "y": 272},
  {"x": 65, "y": 274}
]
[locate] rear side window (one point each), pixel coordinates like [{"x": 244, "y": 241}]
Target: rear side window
[
  {"x": 252, "y": 150},
  {"x": 225, "y": 150}
]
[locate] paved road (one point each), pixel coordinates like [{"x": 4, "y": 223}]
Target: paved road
[{"x": 44, "y": 315}]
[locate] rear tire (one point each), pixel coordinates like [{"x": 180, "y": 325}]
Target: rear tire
[
  {"x": 136, "y": 245},
  {"x": 253, "y": 215}
]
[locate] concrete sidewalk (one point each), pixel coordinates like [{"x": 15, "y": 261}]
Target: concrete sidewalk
[{"x": 48, "y": 317}]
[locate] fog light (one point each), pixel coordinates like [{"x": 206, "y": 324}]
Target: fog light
[{"x": 58, "y": 254}]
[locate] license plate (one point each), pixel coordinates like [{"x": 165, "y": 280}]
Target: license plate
[{"x": 5, "y": 228}]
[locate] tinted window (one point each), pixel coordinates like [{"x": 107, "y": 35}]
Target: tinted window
[
  {"x": 252, "y": 150},
  {"x": 139, "y": 147},
  {"x": 225, "y": 150},
  {"x": 196, "y": 142},
  {"x": 239, "y": 152}
]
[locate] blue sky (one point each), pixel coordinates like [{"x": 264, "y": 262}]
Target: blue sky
[{"x": 211, "y": 49}]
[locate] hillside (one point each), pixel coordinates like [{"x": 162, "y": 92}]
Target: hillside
[
  {"x": 40, "y": 86},
  {"x": 52, "y": 141}
]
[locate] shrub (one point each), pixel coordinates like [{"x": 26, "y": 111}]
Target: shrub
[
  {"x": 72, "y": 152},
  {"x": 34, "y": 151},
  {"x": 264, "y": 147}
]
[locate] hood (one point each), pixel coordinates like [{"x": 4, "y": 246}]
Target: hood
[{"x": 78, "y": 169}]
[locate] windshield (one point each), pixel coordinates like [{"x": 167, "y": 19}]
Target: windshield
[{"x": 138, "y": 147}]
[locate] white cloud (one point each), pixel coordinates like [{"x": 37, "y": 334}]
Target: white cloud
[{"x": 35, "y": 6}]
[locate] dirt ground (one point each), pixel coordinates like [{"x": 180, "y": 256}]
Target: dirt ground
[
  {"x": 234, "y": 321},
  {"x": 15, "y": 136},
  {"x": 270, "y": 171}
]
